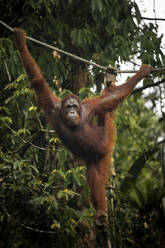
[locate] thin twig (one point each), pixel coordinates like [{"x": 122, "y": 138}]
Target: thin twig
[
  {"x": 26, "y": 227},
  {"x": 7, "y": 70},
  {"x": 24, "y": 141},
  {"x": 103, "y": 68}
]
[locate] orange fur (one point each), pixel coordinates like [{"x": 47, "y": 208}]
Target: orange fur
[{"x": 91, "y": 140}]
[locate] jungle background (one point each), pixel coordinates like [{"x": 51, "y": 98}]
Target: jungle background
[{"x": 44, "y": 197}]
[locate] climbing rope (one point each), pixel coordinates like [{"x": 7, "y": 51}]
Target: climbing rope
[{"x": 107, "y": 69}]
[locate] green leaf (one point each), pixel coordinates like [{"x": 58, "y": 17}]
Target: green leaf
[{"x": 6, "y": 119}]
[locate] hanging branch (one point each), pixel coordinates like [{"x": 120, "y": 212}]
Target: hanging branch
[{"x": 109, "y": 69}]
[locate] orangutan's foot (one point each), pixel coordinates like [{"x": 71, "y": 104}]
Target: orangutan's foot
[{"x": 101, "y": 218}]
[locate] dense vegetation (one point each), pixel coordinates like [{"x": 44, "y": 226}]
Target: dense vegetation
[{"x": 43, "y": 193}]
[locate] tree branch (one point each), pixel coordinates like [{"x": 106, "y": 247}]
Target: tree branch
[
  {"x": 153, "y": 19},
  {"x": 103, "y": 68},
  {"x": 148, "y": 86}
]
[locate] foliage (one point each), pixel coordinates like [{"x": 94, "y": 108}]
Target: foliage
[{"x": 44, "y": 195}]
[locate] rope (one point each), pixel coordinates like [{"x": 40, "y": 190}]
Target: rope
[{"x": 109, "y": 69}]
